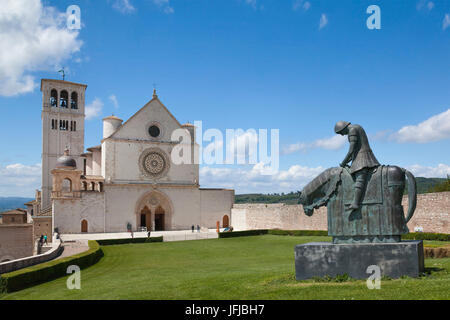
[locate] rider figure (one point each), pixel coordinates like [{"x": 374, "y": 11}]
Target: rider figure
[{"x": 361, "y": 156}]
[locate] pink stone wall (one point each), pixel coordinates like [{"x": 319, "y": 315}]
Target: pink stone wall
[{"x": 432, "y": 214}]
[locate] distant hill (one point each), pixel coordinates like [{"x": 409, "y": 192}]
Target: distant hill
[
  {"x": 423, "y": 186},
  {"x": 288, "y": 198},
  {"x": 9, "y": 203}
]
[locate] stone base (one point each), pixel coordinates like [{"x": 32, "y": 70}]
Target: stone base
[{"x": 319, "y": 259}]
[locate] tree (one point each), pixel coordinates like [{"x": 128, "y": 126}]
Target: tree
[{"x": 441, "y": 187}]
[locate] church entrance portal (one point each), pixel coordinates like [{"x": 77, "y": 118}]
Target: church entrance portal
[
  {"x": 159, "y": 219},
  {"x": 154, "y": 211},
  {"x": 146, "y": 218}
]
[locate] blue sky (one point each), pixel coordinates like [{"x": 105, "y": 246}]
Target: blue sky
[{"x": 297, "y": 66}]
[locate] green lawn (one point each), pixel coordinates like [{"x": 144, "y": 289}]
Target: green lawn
[{"x": 258, "y": 267}]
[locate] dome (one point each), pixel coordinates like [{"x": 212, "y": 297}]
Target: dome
[{"x": 66, "y": 161}]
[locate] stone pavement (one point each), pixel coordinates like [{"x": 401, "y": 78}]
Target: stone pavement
[
  {"x": 180, "y": 235},
  {"x": 72, "y": 248}
]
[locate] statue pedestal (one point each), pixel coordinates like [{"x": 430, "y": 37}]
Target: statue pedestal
[{"x": 318, "y": 259}]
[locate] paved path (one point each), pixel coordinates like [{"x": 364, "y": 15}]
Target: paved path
[
  {"x": 181, "y": 235},
  {"x": 72, "y": 248}
]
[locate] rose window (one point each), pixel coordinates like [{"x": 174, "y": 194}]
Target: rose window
[{"x": 154, "y": 163}]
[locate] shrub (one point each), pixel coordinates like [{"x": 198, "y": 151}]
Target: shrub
[
  {"x": 426, "y": 236},
  {"x": 110, "y": 242},
  {"x": 44, "y": 272},
  {"x": 242, "y": 233},
  {"x": 299, "y": 233}
]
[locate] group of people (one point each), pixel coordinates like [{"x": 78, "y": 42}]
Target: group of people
[
  {"x": 43, "y": 239},
  {"x": 193, "y": 228}
]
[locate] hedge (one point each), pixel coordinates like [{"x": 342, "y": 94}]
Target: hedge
[
  {"x": 300, "y": 233},
  {"x": 110, "y": 242},
  {"x": 243, "y": 233},
  {"x": 44, "y": 272},
  {"x": 426, "y": 236},
  {"x": 324, "y": 233}
]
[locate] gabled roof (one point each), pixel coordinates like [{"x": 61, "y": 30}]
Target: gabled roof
[
  {"x": 155, "y": 98},
  {"x": 15, "y": 211}
]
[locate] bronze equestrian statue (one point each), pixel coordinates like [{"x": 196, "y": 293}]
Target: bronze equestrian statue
[{"x": 364, "y": 201}]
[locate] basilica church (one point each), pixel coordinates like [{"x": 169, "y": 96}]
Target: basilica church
[{"x": 128, "y": 182}]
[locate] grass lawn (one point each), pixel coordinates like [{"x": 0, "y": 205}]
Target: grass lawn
[{"x": 258, "y": 267}]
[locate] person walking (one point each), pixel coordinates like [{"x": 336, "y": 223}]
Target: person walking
[
  {"x": 45, "y": 239},
  {"x": 198, "y": 228},
  {"x": 193, "y": 227}
]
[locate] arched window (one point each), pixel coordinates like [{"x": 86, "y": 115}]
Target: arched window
[
  {"x": 100, "y": 186},
  {"x": 74, "y": 100},
  {"x": 64, "y": 99},
  {"x": 63, "y": 125},
  {"x": 53, "y": 98},
  {"x": 93, "y": 186},
  {"x": 66, "y": 185}
]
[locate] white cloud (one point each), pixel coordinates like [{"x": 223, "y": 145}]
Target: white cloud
[
  {"x": 165, "y": 5},
  {"x": 301, "y": 4},
  {"x": 123, "y": 6},
  {"x": 253, "y": 181},
  {"x": 94, "y": 109},
  {"x": 244, "y": 145},
  {"x": 446, "y": 21},
  {"x": 333, "y": 143},
  {"x": 323, "y": 21},
  {"x": 380, "y": 135},
  {"x": 429, "y": 5},
  {"x": 114, "y": 101},
  {"x": 19, "y": 180},
  {"x": 251, "y": 3},
  {"x": 32, "y": 38},
  {"x": 441, "y": 171},
  {"x": 433, "y": 129}
]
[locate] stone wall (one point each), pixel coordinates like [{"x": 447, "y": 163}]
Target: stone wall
[
  {"x": 28, "y": 261},
  {"x": 43, "y": 226},
  {"x": 432, "y": 215},
  {"x": 16, "y": 241},
  {"x": 432, "y": 212}
]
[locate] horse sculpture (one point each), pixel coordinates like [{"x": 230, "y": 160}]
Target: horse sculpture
[{"x": 380, "y": 217}]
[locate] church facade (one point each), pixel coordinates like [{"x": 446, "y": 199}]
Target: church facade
[{"x": 128, "y": 181}]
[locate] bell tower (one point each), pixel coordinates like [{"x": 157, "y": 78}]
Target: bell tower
[{"x": 63, "y": 113}]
